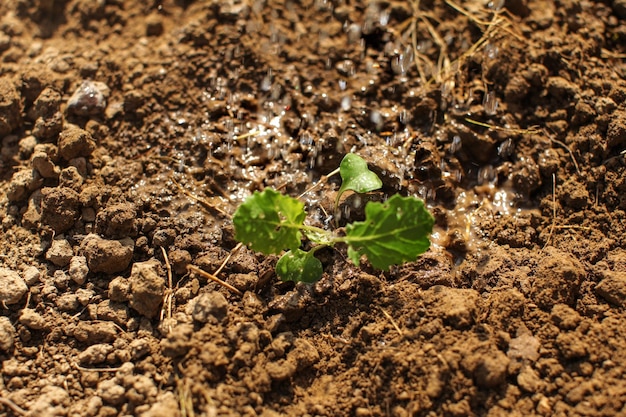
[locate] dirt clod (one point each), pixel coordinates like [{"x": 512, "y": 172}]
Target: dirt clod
[
  {"x": 13, "y": 286},
  {"x": 209, "y": 305},
  {"x": 146, "y": 287},
  {"x": 108, "y": 256},
  {"x": 130, "y": 132},
  {"x": 7, "y": 335},
  {"x": 75, "y": 142}
]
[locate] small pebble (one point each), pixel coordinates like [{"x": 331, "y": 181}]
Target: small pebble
[
  {"x": 89, "y": 99},
  {"x": 78, "y": 269},
  {"x": 13, "y": 286},
  {"x": 207, "y": 305}
]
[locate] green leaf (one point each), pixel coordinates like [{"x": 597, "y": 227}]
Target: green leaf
[
  {"x": 393, "y": 232},
  {"x": 299, "y": 266},
  {"x": 269, "y": 222},
  {"x": 356, "y": 176}
]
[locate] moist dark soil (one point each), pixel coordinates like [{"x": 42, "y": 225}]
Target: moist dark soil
[{"x": 131, "y": 131}]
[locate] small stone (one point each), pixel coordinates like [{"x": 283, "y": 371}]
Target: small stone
[
  {"x": 13, "y": 286},
  {"x": 108, "y": 256},
  {"x": 78, "y": 269},
  {"x": 32, "y": 276},
  {"x": 613, "y": 288},
  {"x": 7, "y": 335},
  {"x": 525, "y": 346},
  {"x": 89, "y": 99},
  {"x": 146, "y": 287},
  {"x": 119, "y": 289},
  {"x": 75, "y": 142},
  {"x": 207, "y": 305},
  {"x": 60, "y": 252},
  {"x": 67, "y": 302},
  {"x": 22, "y": 183},
  {"x": 98, "y": 332}
]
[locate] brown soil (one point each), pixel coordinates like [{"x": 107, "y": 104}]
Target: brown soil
[{"x": 131, "y": 132}]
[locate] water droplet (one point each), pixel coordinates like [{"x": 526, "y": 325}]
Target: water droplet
[
  {"x": 486, "y": 174},
  {"x": 354, "y": 33},
  {"x": 491, "y": 50},
  {"x": 377, "y": 119},
  {"x": 398, "y": 64},
  {"x": 490, "y": 103},
  {"x": 456, "y": 144},
  {"x": 495, "y": 5},
  {"x": 346, "y": 103},
  {"x": 506, "y": 148}
]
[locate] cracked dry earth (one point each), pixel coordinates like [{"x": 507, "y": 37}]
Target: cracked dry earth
[{"x": 130, "y": 132}]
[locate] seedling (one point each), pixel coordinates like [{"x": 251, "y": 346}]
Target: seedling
[{"x": 393, "y": 232}]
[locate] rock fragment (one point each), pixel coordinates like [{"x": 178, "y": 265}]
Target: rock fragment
[
  {"x": 146, "y": 287},
  {"x": 209, "y": 305},
  {"x": 78, "y": 269},
  {"x": 108, "y": 256},
  {"x": 89, "y": 99},
  {"x": 613, "y": 288},
  {"x": 12, "y": 287},
  {"x": 60, "y": 252}
]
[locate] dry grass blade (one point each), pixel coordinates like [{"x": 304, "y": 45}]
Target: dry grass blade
[
  {"x": 213, "y": 278},
  {"x": 198, "y": 199}
]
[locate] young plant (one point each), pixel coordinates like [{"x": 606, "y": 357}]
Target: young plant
[{"x": 393, "y": 232}]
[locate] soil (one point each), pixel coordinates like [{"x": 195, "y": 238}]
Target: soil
[{"x": 131, "y": 132}]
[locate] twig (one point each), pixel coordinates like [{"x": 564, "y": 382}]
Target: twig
[
  {"x": 198, "y": 199},
  {"x": 168, "y": 299},
  {"x": 16, "y": 408},
  {"x": 214, "y": 279},
  {"x": 393, "y": 322},
  {"x": 529, "y": 131},
  {"x": 234, "y": 250},
  {"x": 81, "y": 368},
  {"x": 571, "y": 154},
  {"x": 552, "y": 226}
]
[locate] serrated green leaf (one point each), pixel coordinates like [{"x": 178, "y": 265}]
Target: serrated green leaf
[
  {"x": 299, "y": 266},
  {"x": 393, "y": 232},
  {"x": 356, "y": 176},
  {"x": 269, "y": 222}
]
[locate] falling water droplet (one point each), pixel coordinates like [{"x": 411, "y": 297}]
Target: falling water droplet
[
  {"x": 506, "y": 148},
  {"x": 456, "y": 144},
  {"x": 490, "y": 103},
  {"x": 495, "y": 5}
]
